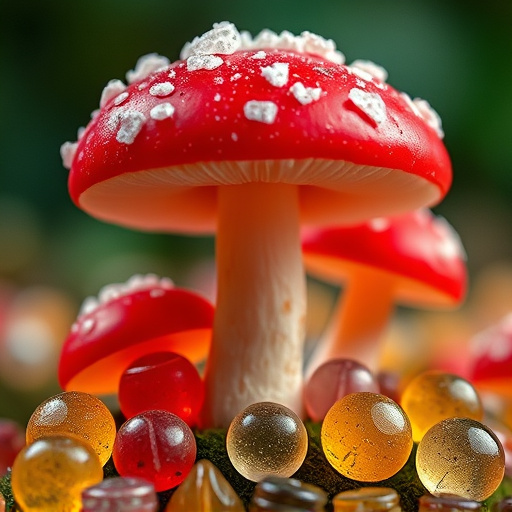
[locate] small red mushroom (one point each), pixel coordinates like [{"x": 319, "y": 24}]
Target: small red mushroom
[
  {"x": 413, "y": 259},
  {"x": 127, "y": 321},
  {"x": 252, "y": 137},
  {"x": 491, "y": 358}
]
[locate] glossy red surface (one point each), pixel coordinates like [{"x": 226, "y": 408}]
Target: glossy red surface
[
  {"x": 162, "y": 380},
  {"x": 208, "y": 125},
  {"x": 105, "y": 341},
  {"x": 419, "y": 251},
  {"x": 491, "y": 358},
  {"x": 157, "y": 446}
]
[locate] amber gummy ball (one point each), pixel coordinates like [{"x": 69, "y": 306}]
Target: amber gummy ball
[
  {"x": 366, "y": 437},
  {"x": 266, "y": 439},
  {"x": 461, "y": 457},
  {"x": 433, "y": 396},
  {"x": 50, "y": 474},
  {"x": 75, "y": 414}
]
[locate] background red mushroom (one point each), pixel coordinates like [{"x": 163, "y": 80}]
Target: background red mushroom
[
  {"x": 251, "y": 137},
  {"x": 146, "y": 314},
  {"x": 415, "y": 259}
]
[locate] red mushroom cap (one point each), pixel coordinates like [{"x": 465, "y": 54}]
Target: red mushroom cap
[
  {"x": 421, "y": 251},
  {"x": 491, "y": 352},
  {"x": 146, "y": 316},
  {"x": 153, "y": 155}
]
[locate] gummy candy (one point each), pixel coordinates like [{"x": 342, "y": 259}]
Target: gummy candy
[
  {"x": 433, "y": 396},
  {"x": 367, "y": 499},
  {"x": 12, "y": 440},
  {"x": 75, "y": 414},
  {"x": 366, "y": 436},
  {"x": 279, "y": 493},
  {"x": 447, "y": 503},
  {"x": 120, "y": 494},
  {"x": 205, "y": 489},
  {"x": 50, "y": 474},
  {"x": 460, "y": 456},
  {"x": 162, "y": 380},
  {"x": 332, "y": 381},
  {"x": 266, "y": 439},
  {"x": 155, "y": 445}
]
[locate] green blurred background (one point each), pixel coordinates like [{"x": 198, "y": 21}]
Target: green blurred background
[{"x": 57, "y": 56}]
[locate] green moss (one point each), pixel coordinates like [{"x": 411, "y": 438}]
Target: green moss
[{"x": 211, "y": 445}]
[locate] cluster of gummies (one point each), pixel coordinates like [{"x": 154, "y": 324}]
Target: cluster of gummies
[
  {"x": 365, "y": 435},
  {"x": 71, "y": 436}
]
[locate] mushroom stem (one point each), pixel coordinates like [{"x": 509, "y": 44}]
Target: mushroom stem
[
  {"x": 356, "y": 328},
  {"x": 259, "y": 326}
]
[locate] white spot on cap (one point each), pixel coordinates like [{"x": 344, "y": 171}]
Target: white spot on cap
[
  {"x": 146, "y": 65},
  {"x": 111, "y": 90},
  {"x": 223, "y": 38},
  {"x": 429, "y": 115},
  {"x": 162, "y": 89},
  {"x": 234, "y": 137},
  {"x": 261, "y": 111},
  {"x": 209, "y": 62},
  {"x": 218, "y": 80},
  {"x": 162, "y": 111},
  {"x": 370, "y": 68},
  {"x": 370, "y": 103},
  {"x": 305, "y": 95},
  {"x": 217, "y": 97},
  {"x": 120, "y": 98},
  {"x": 236, "y": 77},
  {"x": 132, "y": 122},
  {"x": 67, "y": 153},
  {"x": 259, "y": 55},
  {"x": 276, "y": 74}
]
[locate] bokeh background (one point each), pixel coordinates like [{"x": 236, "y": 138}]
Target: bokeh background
[{"x": 57, "y": 56}]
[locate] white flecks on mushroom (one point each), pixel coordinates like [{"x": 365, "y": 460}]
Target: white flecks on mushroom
[
  {"x": 234, "y": 137},
  {"x": 146, "y": 65},
  {"x": 307, "y": 42},
  {"x": 217, "y": 97},
  {"x": 429, "y": 115},
  {"x": 276, "y": 74},
  {"x": 120, "y": 98},
  {"x": 218, "y": 80},
  {"x": 111, "y": 90},
  {"x": 370, "y": 68},
  {"x": 131, "y": 123},
  {"x": 410, "y": 103},
  {"x": 259, "y": 55},
  {"x": 209, "y": 62},
  {"x": 161, "y": 111},
  {"x": 370, "y": 103},
  {"x": 162, "y": 89},
  {"x": 305, "y": 95},
  {"x": 361, "y": 73},
  {"x": 261, "y": 111},
  {"x": 67, "y": 153},
  {"x": 114, "y": 291},
  {"x": 223, "y": 39},
  {"x": 235, "y": 77}
]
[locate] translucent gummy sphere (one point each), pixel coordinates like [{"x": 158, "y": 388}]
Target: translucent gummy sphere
[
  {"x": 332, "y": 381},
  {"x": 157, "y": 446},
  {"x": 50, "y": 474},
  {"x": 165, "y": 381},
  {"x": 366, "y": 437},
  {"x": 433, "y": 396},
  {"x": 75, "y": 414},
  {"x": 266, "y": 439},
  {"x": 120, "y": 494},
  {"x": 462, "y": 457}
]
